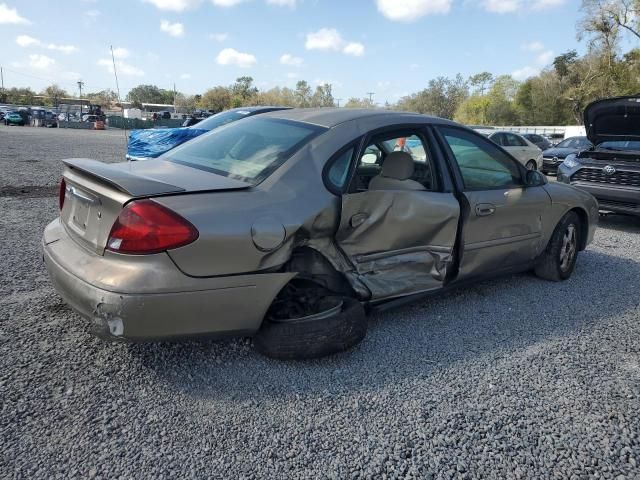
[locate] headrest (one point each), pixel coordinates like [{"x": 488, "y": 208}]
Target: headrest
[{"x": 398, "y": 165}]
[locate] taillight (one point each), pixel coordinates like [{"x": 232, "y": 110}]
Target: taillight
[
  {"x": 61, "y": 193},
  {"x": 145, "y": 226}
]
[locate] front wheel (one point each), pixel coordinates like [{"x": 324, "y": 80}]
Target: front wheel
[
  {"x": 531, "y": 165},
  {"x": 559, "y": 259}
]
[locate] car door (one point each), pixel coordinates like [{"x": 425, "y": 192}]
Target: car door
[
  {"x": 503, "y": 226},
  {"x": 398, "y": 241}
]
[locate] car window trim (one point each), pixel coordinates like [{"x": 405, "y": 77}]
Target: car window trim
[{"x": 454, "y": 164}]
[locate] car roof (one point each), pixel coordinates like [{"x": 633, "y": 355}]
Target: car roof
[{"x": 330, "y": 117}]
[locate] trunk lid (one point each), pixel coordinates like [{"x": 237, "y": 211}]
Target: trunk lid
[
  {"x": 96, "y": 192},
  {"x": 613, "y": 119}
]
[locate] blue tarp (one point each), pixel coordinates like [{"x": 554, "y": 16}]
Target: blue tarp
[{"x": 152, "y": 143}]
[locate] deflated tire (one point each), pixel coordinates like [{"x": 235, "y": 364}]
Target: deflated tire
[{"x": 341, "y": 325}]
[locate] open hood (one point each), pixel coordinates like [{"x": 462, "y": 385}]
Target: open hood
[{"x": 613, "y": 120}]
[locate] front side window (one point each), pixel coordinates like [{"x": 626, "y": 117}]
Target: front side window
[
  {"x": 249, "y": 150},
  {"x": 482, "y": 165}
]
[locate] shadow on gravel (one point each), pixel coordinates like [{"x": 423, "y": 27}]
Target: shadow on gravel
[
  {"x": 620, "y": 223},
  {"x": 485, "y": 323}
]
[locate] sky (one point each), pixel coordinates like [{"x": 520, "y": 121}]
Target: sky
[{"x": 389, "y": 47}]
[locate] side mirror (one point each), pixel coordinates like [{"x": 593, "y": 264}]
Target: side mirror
[{"x": 535, "y": 178}]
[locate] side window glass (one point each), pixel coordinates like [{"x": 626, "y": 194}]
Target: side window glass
[
  {"x": 516, "y": 141},
  {"x": 482, "y": 165},
  {"x": 500, "y": 139},
  {"x": 339, "y": 170}
]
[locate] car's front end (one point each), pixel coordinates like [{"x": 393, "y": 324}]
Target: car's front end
[{"x": 610, "y": 171}]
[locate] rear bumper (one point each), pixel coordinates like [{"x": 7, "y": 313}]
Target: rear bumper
[{"x": 148, "y": 298}]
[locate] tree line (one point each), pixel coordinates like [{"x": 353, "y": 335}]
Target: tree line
[{"x": 555, "y": 96}]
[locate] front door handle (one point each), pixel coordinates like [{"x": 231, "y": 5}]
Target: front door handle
[{"x": 485, "y": 209}]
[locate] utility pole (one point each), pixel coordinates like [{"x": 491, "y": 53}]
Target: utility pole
[
  {"x": 371, "y": 94},
  {"x": 80, "y": 85},
  {"x": 175, "y": 94},
  {"x": 338, "y": 100},
  {"x": 2, "y": 83}
]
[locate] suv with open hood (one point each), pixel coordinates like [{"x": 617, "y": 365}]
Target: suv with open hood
[{"x": 610, "y": 170}]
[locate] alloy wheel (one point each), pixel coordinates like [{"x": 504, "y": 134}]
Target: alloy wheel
[{"x": 569, "y": 248}]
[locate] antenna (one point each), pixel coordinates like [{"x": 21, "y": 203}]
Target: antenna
[{"x": 115, "y": 73}]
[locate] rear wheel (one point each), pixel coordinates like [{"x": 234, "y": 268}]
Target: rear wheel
[
  {"x": 559, "y": 259},
  {"x": 531, "y": 165},
  {"x": 310, "y": 323}
]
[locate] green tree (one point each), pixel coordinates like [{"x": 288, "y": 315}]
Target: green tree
[
  {"x": 53, "y": 94},
  {"x": 303, "y": 94},
  {"x": 149, "y": 94},
  {"x": 244, "y": 90},
  {"x": 323, "y": 96},
  {"x": 355, "y": 102},
  {"x": 481, "y": 82},
  {"x": 216, "y": 99}
]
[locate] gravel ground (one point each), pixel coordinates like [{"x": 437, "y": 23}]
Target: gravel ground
[{"x": 514, "y": 378}]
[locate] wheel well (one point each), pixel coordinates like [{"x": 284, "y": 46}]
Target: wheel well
[{"x": 584, "y": 226}]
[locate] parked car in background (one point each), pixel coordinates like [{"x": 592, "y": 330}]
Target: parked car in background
[
  {"x": 151, "y": 143},
  {"x": 554, "y": 156},
  {"x": 556, "y": 138},
  {"x": 191, "y": 121},
  {"x": 14, "y": 118},
  {"x": 288, "y": 226},
  {"x": 539, "y": 141},
  {"x": 610, "y": 171},
  {"x": 526, "y": 152}
]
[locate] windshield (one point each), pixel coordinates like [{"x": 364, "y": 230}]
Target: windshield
[
  {"x": 222, "y": 118},
  {"x": 624, "y": 145},
  {"x": 249, "y": 151},
  {"x": 574, "y": 142}
]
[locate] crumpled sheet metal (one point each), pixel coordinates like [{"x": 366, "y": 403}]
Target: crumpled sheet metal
[
  {"x": 398, "y": 241},
  {"x": 154, "y": 142}
]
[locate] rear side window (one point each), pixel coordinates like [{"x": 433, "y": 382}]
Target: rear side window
[
  {"x": 339, "y": 170},
  {"x": 249, "y": 150},
  {"x": 482, "y": 165}
]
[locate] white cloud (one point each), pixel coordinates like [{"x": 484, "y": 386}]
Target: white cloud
[
  {"x": 525, "y": 72},
  {"x": 544, "y": 4},
  {"x": 545, "y": 58},
  {"x": 509, "y": 6},
  {"x": 40, "y": 62},
  {"x": 121, "y": 52},
  {"x": 330, "y": 39},
  {"x": 26, "y": 41},
  {"x": 501, "y": 6},
  {"x": 288, "y": 59},
  {"x": 324, "y": 39},
  {"x": 173, "y": 29},
  {"x": 11, "y": 16},
  {"x": 218, "y": 37},
  {"x": 62, "y": 48},
  {"x": 412, "y": 10},
  {"x": 230, "y": 56},
  {"x": 174, "y": 5},
  {"x": 123, "y": 67},
  {"x": 353, "y": 48},
  {"x": 283, "y": 3},
  {"x": 226, "y": 3},
  {"x": 533, "y": 47}
]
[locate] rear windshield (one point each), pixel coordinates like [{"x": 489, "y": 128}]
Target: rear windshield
[
  {"x": 222, "y": 118},
  {"x": 249, "y": 150}
]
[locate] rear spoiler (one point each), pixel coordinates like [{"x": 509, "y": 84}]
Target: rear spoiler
[{"x": 122, "y": 180}]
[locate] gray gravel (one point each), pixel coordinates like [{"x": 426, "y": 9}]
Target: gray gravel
[{"x": 514, "y": 378}]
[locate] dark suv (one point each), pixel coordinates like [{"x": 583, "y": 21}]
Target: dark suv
[{"x": 610, "y": 170}]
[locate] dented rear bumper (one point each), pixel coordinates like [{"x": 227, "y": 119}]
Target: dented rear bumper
[{"x": 148, "y": 298}]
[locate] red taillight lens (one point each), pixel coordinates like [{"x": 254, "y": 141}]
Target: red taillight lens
[
  {"x": 145, "y": 226},
  {"x": 61, "y": 193}
]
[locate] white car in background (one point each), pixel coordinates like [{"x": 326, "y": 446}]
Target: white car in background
[{"x": 526, "y": 152}]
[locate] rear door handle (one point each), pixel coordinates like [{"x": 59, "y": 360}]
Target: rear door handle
[{"x": 485, "y": 209}]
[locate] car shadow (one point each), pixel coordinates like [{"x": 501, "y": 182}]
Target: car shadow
[
  {"x": 487, "y": 322},
  {"x": 620, "y": 222}
]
